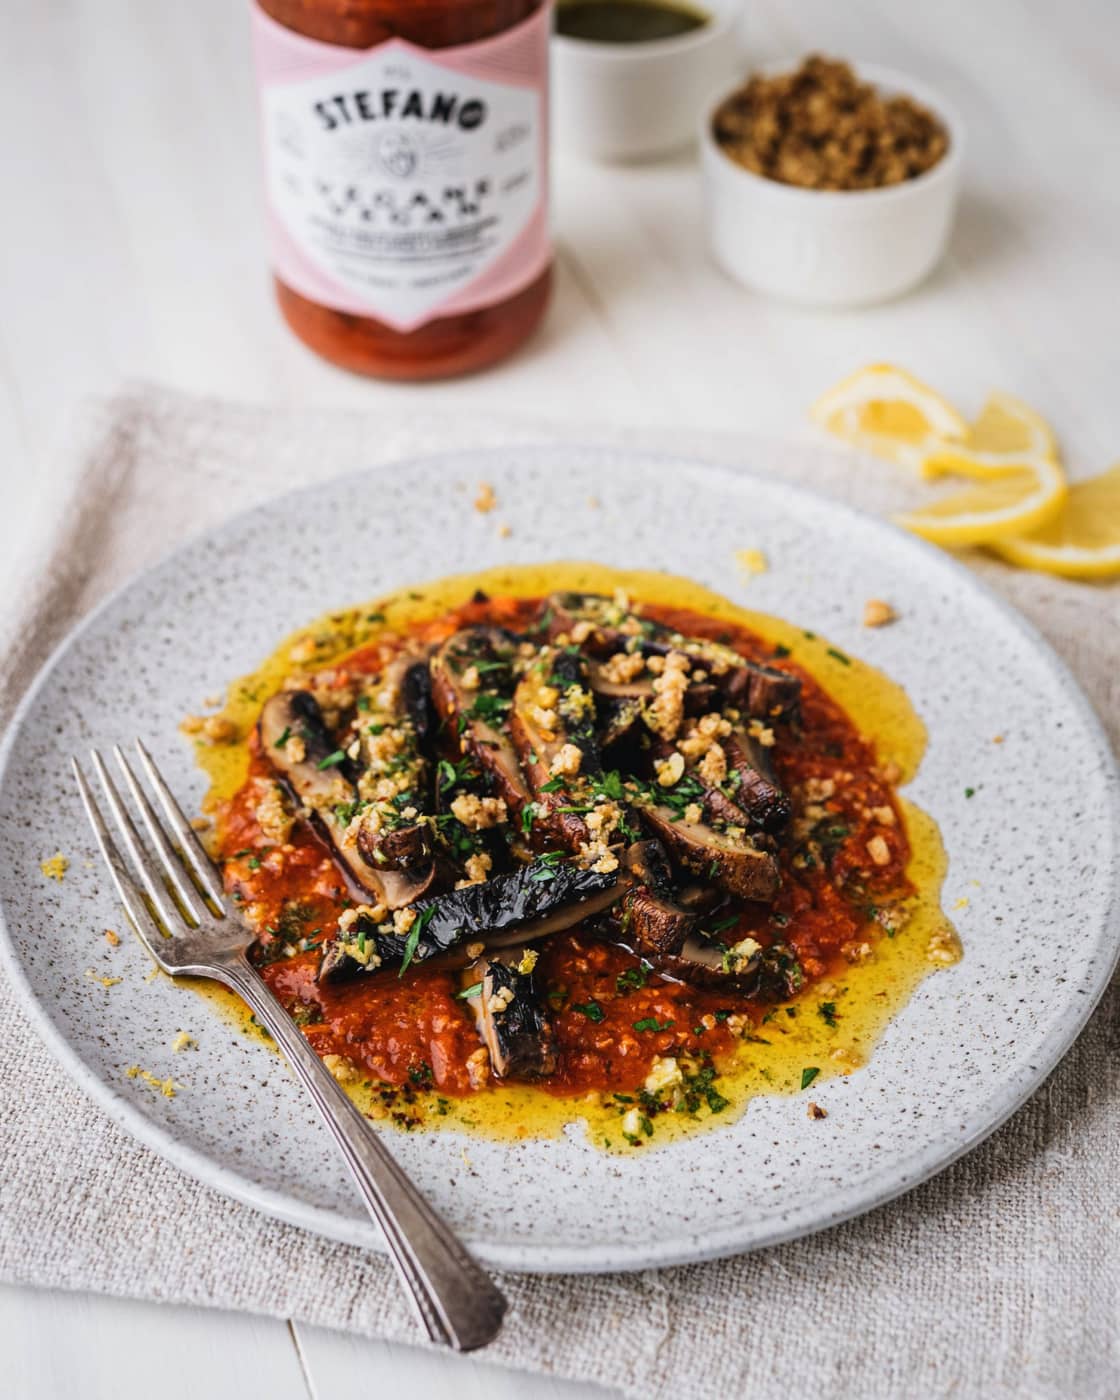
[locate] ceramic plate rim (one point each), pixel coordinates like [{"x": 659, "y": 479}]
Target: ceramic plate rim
[{"x": 881, "y": 1187}]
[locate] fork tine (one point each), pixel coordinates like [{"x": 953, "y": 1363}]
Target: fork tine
[
  {"x": 142, "y": 862},
  {"x": 130, "y": 896},
  {"x": 205, "y": 871},
  {"x": 167, "y": 858}
]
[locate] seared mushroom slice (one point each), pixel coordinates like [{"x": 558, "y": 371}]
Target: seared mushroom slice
[
  {"x": 653, "y": 919},
  {"x": 553, "y": 727},
  {"x": 510, "y": 1014},
  {"x": 766, "y": 974},
  {"x": 474, "y": 708},
  {"x": 606, "y": 626},
  {"x": 320, "y": 779},
  {"x": 392, "y": 825},
  {"x": 541, "y": 897},
  {"x": 618, "y": 718},
  {"x": 726, "y": 855},
  {"x": 752, "y": 781}
]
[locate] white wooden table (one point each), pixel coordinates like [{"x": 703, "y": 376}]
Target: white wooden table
[{"x": 132, "y": 248}]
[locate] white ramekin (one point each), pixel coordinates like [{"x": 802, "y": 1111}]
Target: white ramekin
[
  {"x": 617, "y": 102},
  {"x": 832, "y": 247}
]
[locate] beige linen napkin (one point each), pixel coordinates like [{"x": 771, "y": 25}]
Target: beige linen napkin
[{"x": 998, "y": 1278}]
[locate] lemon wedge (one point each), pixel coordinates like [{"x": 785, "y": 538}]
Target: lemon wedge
[
  {"x": 889, "y": 412},
  {"x": 1006, "y": 431},
  {"x": 1011, "y": 499},
  {"x": 1081, "y": 541}
]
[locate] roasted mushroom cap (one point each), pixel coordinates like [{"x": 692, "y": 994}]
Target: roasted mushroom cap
[
  {"x": 320, "y": 780},
  {"x": 472, "y": 680},
  {"x": 553, "y": 727},
  {"x": 653, "y": 919},
  {"x": 510, "y": 1013},
  {"x": 520, "y": 906},
  {"x": 728, "y": 858}
]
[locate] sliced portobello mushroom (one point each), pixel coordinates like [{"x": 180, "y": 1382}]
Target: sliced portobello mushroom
[
  {"x": 509, "y": 1011},
  {"x": 392, "y": 825},
  {"x": 728, "y": 856},
  {"x": 763, "y": 692},
  {"x": 753, "y": 783},
  {"x": 541, "y": 897},
  {"x": 321, "y": 781},
  {"x": 472, "y": 681},
  {"x": 654, "y": 920},
  {"x": 766, "y": 974},
  {"x": 552, "y": 724}
]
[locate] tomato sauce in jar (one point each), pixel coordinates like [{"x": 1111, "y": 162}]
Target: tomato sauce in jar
[{"x": 405, "y": 147}]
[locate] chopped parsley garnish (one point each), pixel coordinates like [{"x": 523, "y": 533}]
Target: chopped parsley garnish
[
  {"x": 970, "y": 792},
  {"x": 419, "y": 924},
  {"x": 529, "y": 814},
  {"x": 553, "y": 785},
  {"x": 609, "y": 784},
  {"x": 839, "y": 656},
  {"x": 363, "y": 702},
  {"x": 827, "y": 1012},
  {"x": 651, "y": 1023},
  {"x": 284, "y": 737},
  {"x": 474, "y": 990},
  {"x": 781, "y": 650},
  {"x": 254, "y": 863},
  {"x": 633, "y": 978},
  {"x": 332, "y": 760},
  {"x": 542, "y": 873},
  {"x": 591, "y": 1009},
  {"x": 375, "y": 617},
  {"x": 488, "y": 707},
  {"x": 808, "y": 1075}
]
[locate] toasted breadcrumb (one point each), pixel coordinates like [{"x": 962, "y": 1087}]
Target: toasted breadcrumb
[
  {"x": 184, "y": 1041},
  {"x": 103, "y": 981},
  {"x": 166, "y": 1087},
  {"x": 943, "y": 948},
  {"x": 485, "y": 501},
  {"x": 876, "y": 613},
  {"x": 751, "y": 561},
  {"x": 112, "y": 938},
  {"x": 505, "y": 530},
  {"x": 55, "y": 867},
  {"x": 816, "y": 1111}
]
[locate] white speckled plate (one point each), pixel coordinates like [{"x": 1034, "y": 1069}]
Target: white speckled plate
[{"x": 1041, "y": 835}]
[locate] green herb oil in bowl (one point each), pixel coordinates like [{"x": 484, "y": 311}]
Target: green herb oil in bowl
[{"x": 626, "y": 21}]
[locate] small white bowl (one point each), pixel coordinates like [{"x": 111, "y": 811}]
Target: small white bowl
[
  {"x": 617, "y": 102},
  {"x": 832, "y": 247}
]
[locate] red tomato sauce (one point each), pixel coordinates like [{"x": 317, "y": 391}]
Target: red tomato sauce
[{"x": 611, "y": 1017}]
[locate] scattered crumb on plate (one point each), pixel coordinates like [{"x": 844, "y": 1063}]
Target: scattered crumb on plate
[
  {"x": 55, "y": 867},
  {"x": 751, "y": 561},
  {"x": 876, "y": 613}
]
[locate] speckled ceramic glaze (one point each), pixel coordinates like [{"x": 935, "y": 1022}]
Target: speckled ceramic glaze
[{"x": 1039, "y": 931}]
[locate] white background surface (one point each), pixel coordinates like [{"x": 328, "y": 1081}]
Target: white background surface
[{"x": 132, "y": 248}]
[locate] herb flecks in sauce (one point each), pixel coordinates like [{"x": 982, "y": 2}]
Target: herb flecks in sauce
[{"x": 724, "y": 1052}]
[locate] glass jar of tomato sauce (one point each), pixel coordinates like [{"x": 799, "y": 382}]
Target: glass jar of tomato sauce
[{"x": 405, "y": 146}]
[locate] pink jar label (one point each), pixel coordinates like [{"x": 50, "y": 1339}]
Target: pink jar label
[{"x": 406, "y": 183}]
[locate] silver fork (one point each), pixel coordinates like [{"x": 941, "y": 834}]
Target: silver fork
[{"x": 179, "y": 911}]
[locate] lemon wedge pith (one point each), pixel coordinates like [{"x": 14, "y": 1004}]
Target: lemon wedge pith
[
  {"x": 1082, "y": 540},
  {"x": 889, "y": 412},
  {"x": 1010, "y": 500}
]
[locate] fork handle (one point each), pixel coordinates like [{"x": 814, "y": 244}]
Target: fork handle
[{"x": 457, "y": 1302}]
